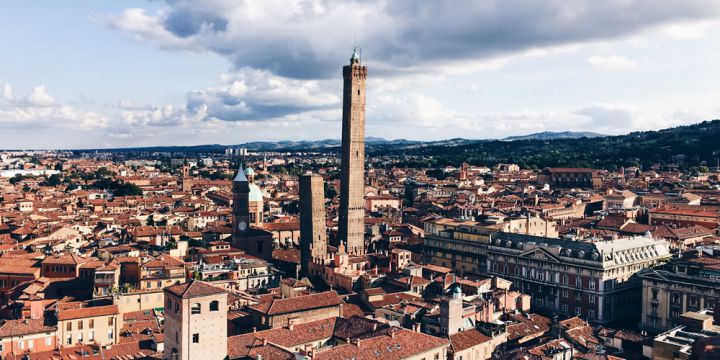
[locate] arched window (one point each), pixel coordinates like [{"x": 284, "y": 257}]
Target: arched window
[
  {"x": 195, "y": 308},
  {"x": 214, "y": 305}
]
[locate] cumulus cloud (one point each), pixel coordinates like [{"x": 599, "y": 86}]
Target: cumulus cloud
[
  {"x": 40, "y": 109},
  {"x": 302, "y": 38},
  {"x": 621, "y": 118},
  {"x": 611, "y": 62},
  {"x": 693, "y": 31},
  {"x": 39, "y": 97},
  {"x": 434, "y": 120},
  {"x": 246, "y": 95},
  {"x": 7, "y": 92}
]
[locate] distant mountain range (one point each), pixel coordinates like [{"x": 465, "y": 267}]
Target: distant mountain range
[
  {"x": 553, "y": 135},
  {"x": 686, "y": 146}
]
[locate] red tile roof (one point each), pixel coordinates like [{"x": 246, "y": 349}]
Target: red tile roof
[
  {"x": 24, "y": 327},
  {"x": 300, "y": 303},
  {"x": 401, "y": 344},
  {"x": 87, "y": 312},
  {"x": 467, "y": 339},
  {"x": 194, "y": 289}
]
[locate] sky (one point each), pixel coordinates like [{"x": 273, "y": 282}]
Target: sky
[{"x": 99, "y": 74}]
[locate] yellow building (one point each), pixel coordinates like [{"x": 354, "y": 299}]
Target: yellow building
[{"x": 99, "y": 324}]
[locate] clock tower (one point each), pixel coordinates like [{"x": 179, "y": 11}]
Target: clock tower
[{"x": 241, "y": 208}]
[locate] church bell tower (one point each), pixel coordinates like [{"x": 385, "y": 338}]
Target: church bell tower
[{"x": 241, "y": 209}]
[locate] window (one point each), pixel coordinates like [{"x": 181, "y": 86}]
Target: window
[
  {"x": 80, "y": 324},
  {"x": 592, "y": 299},
  {"x": 168, "y": 304},
  {"x": 91, "y": 335},
  {"x": 177, "y": 308},
  {"x": 214, "y": 305},
  {"x": 80, "y": 337},
  {"x": 48, "y": 341},
  {"x": 195, "y": 308},
  {"x": 196, "y": 338},
  {"x": 68, "y": 340},
  {"x": 591, "y": 314},
  {"x": 676, "y": 298},
  {"x": 21, "y": 344},
  {"x": 68, "y": 326},
  {"x": 110, "y": 334},
  {"x": 91, "y": 323},
  {"x": 159, "y": 284},
  {"x": 111, "y": 321}
]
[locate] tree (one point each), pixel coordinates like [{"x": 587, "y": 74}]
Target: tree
[
  {"x": 53, "y": 180},
  {"x": 150, "y": 221},
  {"x": 330, "y": 192},
  {"x": 126, "y": 189},
  {"x": 17, "y": 178}
]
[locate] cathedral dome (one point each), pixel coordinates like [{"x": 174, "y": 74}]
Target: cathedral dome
[
  {"x": 249, "y": 172},
  {"x": 255, "y": 193}
]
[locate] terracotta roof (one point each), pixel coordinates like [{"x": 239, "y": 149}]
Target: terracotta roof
[
  {"x": 24, "y": 327},
  {"x": 300, "y": 303},
  {"x": 281, "y": 226},
  {"x": 300, "y": 334},
  {"x": 194, "y": 289},
  {"x": 466, "y": 339},
  {"x": 18, "y": 266},
  {"x": 533, "y": 326},
  {"x": 248, "y": 346},
  {"x": 358, "y": 327},
  {"x": 401, "y": 344},
  {"x": 87, "y": 312}
]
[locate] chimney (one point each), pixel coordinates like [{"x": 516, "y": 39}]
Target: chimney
[
  {"x": 264, "y": 342},
  {"x": 291, "y": 326}
]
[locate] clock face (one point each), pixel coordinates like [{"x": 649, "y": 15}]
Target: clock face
[{"x": 242, "y": 226}]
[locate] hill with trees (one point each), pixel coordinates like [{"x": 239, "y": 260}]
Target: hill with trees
[{"x": 685, "y": 146}]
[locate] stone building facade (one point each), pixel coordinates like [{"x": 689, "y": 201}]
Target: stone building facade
[
  {"x": 195, "y": 322},
  {"x": 689, "y": 284},
  {"x": 590, "y": 279}
]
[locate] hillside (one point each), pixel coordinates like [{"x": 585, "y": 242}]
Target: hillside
[
  {"x": 687, "y": 146},
  {"x": 551, "y": 135}
]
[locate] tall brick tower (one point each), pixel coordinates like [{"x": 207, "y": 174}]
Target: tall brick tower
[
  {"x": 313, "y": 236},
  {"x": 187, "y": 182},
  {"x": 352, "y": 188},
  {"x": 241, "y": 210}
]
